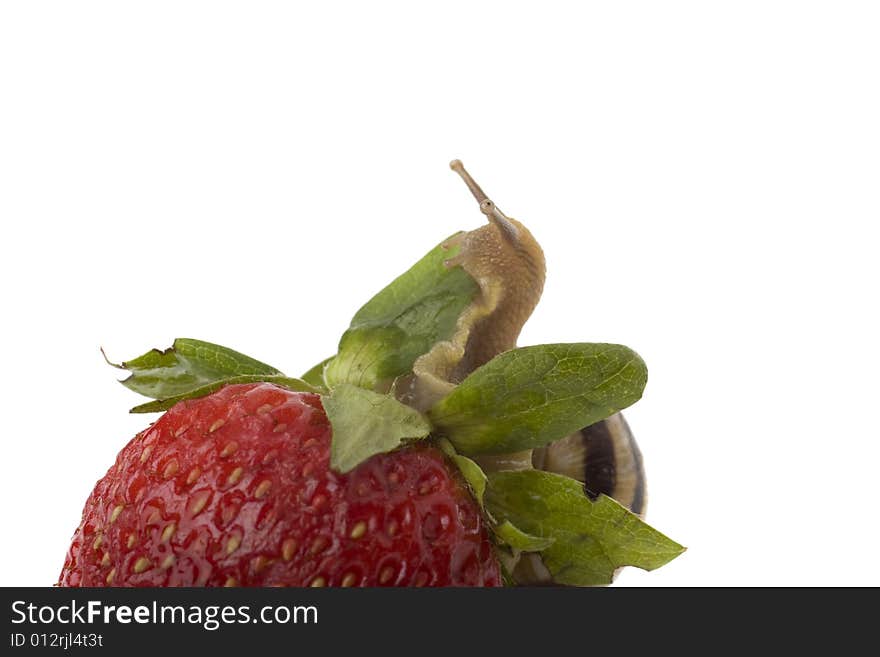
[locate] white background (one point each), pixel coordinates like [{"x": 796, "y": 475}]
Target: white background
[{"x": 703, "y": 178}]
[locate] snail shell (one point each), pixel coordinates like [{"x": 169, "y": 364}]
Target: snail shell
[{"x": 604, "y": 457}]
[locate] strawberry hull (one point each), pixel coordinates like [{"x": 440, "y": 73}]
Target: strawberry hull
[{"x": 235, "y": 489}]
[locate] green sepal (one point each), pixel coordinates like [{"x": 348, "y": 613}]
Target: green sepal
[
  {"x": 529, "y": 397},
  {"x": 366, "y": 423},
  {"x": 402, "y": 322},
  {"x": 591, "y": 539},
  {"x": 505, "y": 562},
  {"x": 473, "y": 474},
  {"x": 315, "y": 376},
  {"x": 186, "y": 366},
  {"x": 511, "y": 535},
  {"x": 297, "y": 385}
]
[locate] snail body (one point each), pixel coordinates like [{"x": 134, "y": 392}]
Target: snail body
[{"x": 507, "y": 264}]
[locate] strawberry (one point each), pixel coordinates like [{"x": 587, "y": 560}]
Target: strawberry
[
  {"x": 430, "y": 450},
  {"x": 235, "y": 489}
]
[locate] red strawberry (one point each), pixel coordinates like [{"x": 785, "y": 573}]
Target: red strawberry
[{"x": 235, "y": 489}]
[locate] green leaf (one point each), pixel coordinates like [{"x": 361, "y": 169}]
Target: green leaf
[
  {"x": 315, "y": 376},
  {"x": 366, "y": 423},
  {"x": 519, "y": 540},
  {"x": 529, "y": 397},
  {"x": 472, "y": 473},
  {"x": 280, "y": 380},
  {"x": 402, "y": 322},
  {"x": 188, "y": 365},
  {"x": 591, "y": 539}
]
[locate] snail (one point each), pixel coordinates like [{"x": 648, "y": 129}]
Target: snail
[{"x": 508, "y": 264}]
